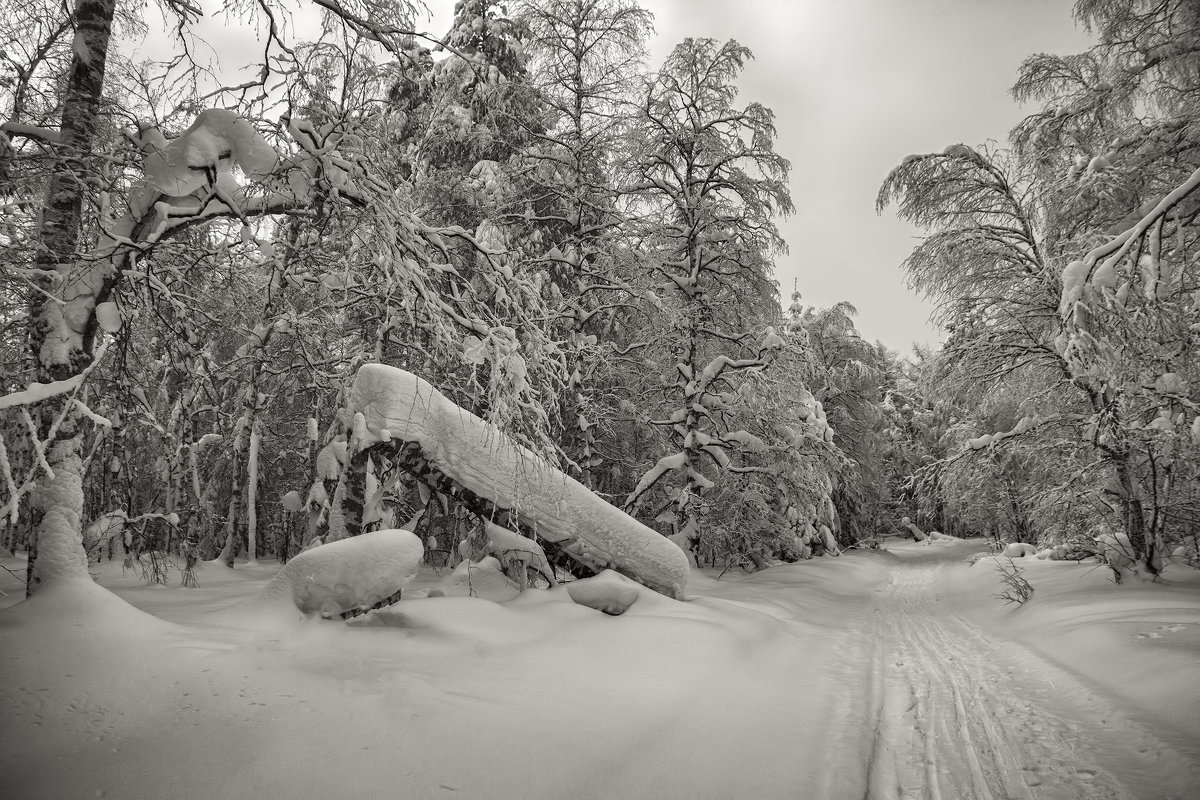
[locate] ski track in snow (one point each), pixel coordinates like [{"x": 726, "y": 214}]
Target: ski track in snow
[
  {"x": 957, "y": 715},
  {"x": 845, "y": 679}
]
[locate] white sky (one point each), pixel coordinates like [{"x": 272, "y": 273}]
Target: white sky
[{"x": 856, "y": 85}]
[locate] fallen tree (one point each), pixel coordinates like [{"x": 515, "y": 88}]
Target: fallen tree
[{"x": 401, "y": 420}]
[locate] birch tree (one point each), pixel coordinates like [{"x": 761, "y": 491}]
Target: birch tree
[{"x": 713, "y": 185}]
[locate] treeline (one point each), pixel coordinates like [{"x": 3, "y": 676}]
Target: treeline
[
  {"x": 1065, "y": 403},
  {"x": 567, "y": 244},
  {"x": 580, "y": 250}
]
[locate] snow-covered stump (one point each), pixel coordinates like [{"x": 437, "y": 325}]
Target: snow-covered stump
[
  {"x": 917, "y": 533},
  {"x": 349, "y": 574},
  {"x": 454, "y": 452}
]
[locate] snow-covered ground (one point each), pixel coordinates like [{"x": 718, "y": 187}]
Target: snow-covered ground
[{"x": 879, "y": 674}]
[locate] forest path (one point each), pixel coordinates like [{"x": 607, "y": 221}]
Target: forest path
[{"x": 959, "y": 715}]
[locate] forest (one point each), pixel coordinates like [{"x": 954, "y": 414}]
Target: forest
[
  {"x": 577, "y": 249},
  {"x": 395, "y": 413}
]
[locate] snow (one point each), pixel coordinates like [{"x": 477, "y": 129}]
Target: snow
[
  {"x": 216, "y": 140},
  {"x": 1019, "y": 550},
  {"x": 879, "y": 674},
  {"x": 478, "y": 456},
  {"x": 347, "y": 574},
  {"x": 292, "y": 501},
  {"x": 609, "y": 592},
  {"x": 108, "y": 316},
  {"x": 484, "y": 578},
  {"x": 60, "y": 554}
]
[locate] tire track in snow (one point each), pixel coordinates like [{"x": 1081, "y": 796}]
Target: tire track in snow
[{"x": 954, "y": 716}]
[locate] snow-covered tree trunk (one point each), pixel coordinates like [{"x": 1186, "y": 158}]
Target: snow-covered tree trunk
[
  {"x": 232, "y": 540},
  {"x": 62, "y": 344},
  {"x": 252, "y": 493}
]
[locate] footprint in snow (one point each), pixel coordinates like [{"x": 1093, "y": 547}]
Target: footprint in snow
[{"x": 1155, "y": 634}]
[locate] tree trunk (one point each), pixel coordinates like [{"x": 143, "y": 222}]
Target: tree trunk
[
  {"x": 252, "y": 494},
  {"x": 61, "y": 344},
  {"x": 60, "y": 553}
]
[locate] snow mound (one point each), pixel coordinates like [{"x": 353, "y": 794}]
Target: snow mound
[
  {"x": 350, "y": 573},
  {"x": 1019, "y": 550},
  {"x": 609, "y": 592},
  {"x": 484, "y": 578}
]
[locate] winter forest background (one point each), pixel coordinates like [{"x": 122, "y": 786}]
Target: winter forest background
[
  {"x": 579, "y": 250},
  {"x": 315, "y": 362}
]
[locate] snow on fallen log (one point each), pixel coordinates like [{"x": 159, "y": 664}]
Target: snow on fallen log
[
  {"x": 397, "y": 406},
  {"x": 348, "y": 574}
]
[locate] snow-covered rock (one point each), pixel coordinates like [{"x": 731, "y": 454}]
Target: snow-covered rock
[
  {"x": 1019, "y": 550},
  {"x": 609, "y": 592},
  {"x": 350, "y": 573},
  {"x": 475, "y": 454}
]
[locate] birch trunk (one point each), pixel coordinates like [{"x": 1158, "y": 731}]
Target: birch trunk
[{"x": 61, "y": 344}]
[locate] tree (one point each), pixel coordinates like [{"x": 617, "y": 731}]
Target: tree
[
  {"x": 324, "y": 180},
  {"x": 1054, "y": 268},
  {"x": 585, "y": 56},
  {"x": 712, "y": 184}
]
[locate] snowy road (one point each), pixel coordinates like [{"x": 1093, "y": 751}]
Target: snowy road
[
  {"x": 957, "y": 715},
  {"x": 877, "y": 676}
]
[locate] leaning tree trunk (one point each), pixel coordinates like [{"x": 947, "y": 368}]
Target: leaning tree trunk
[{"x": 62, "y": 344}]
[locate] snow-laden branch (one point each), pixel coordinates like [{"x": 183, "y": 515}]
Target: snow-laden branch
[
  {"x": 27, "y": 131},
  {"x": 39, "y": 392},
  {"x": 1077, "y": 274}
]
